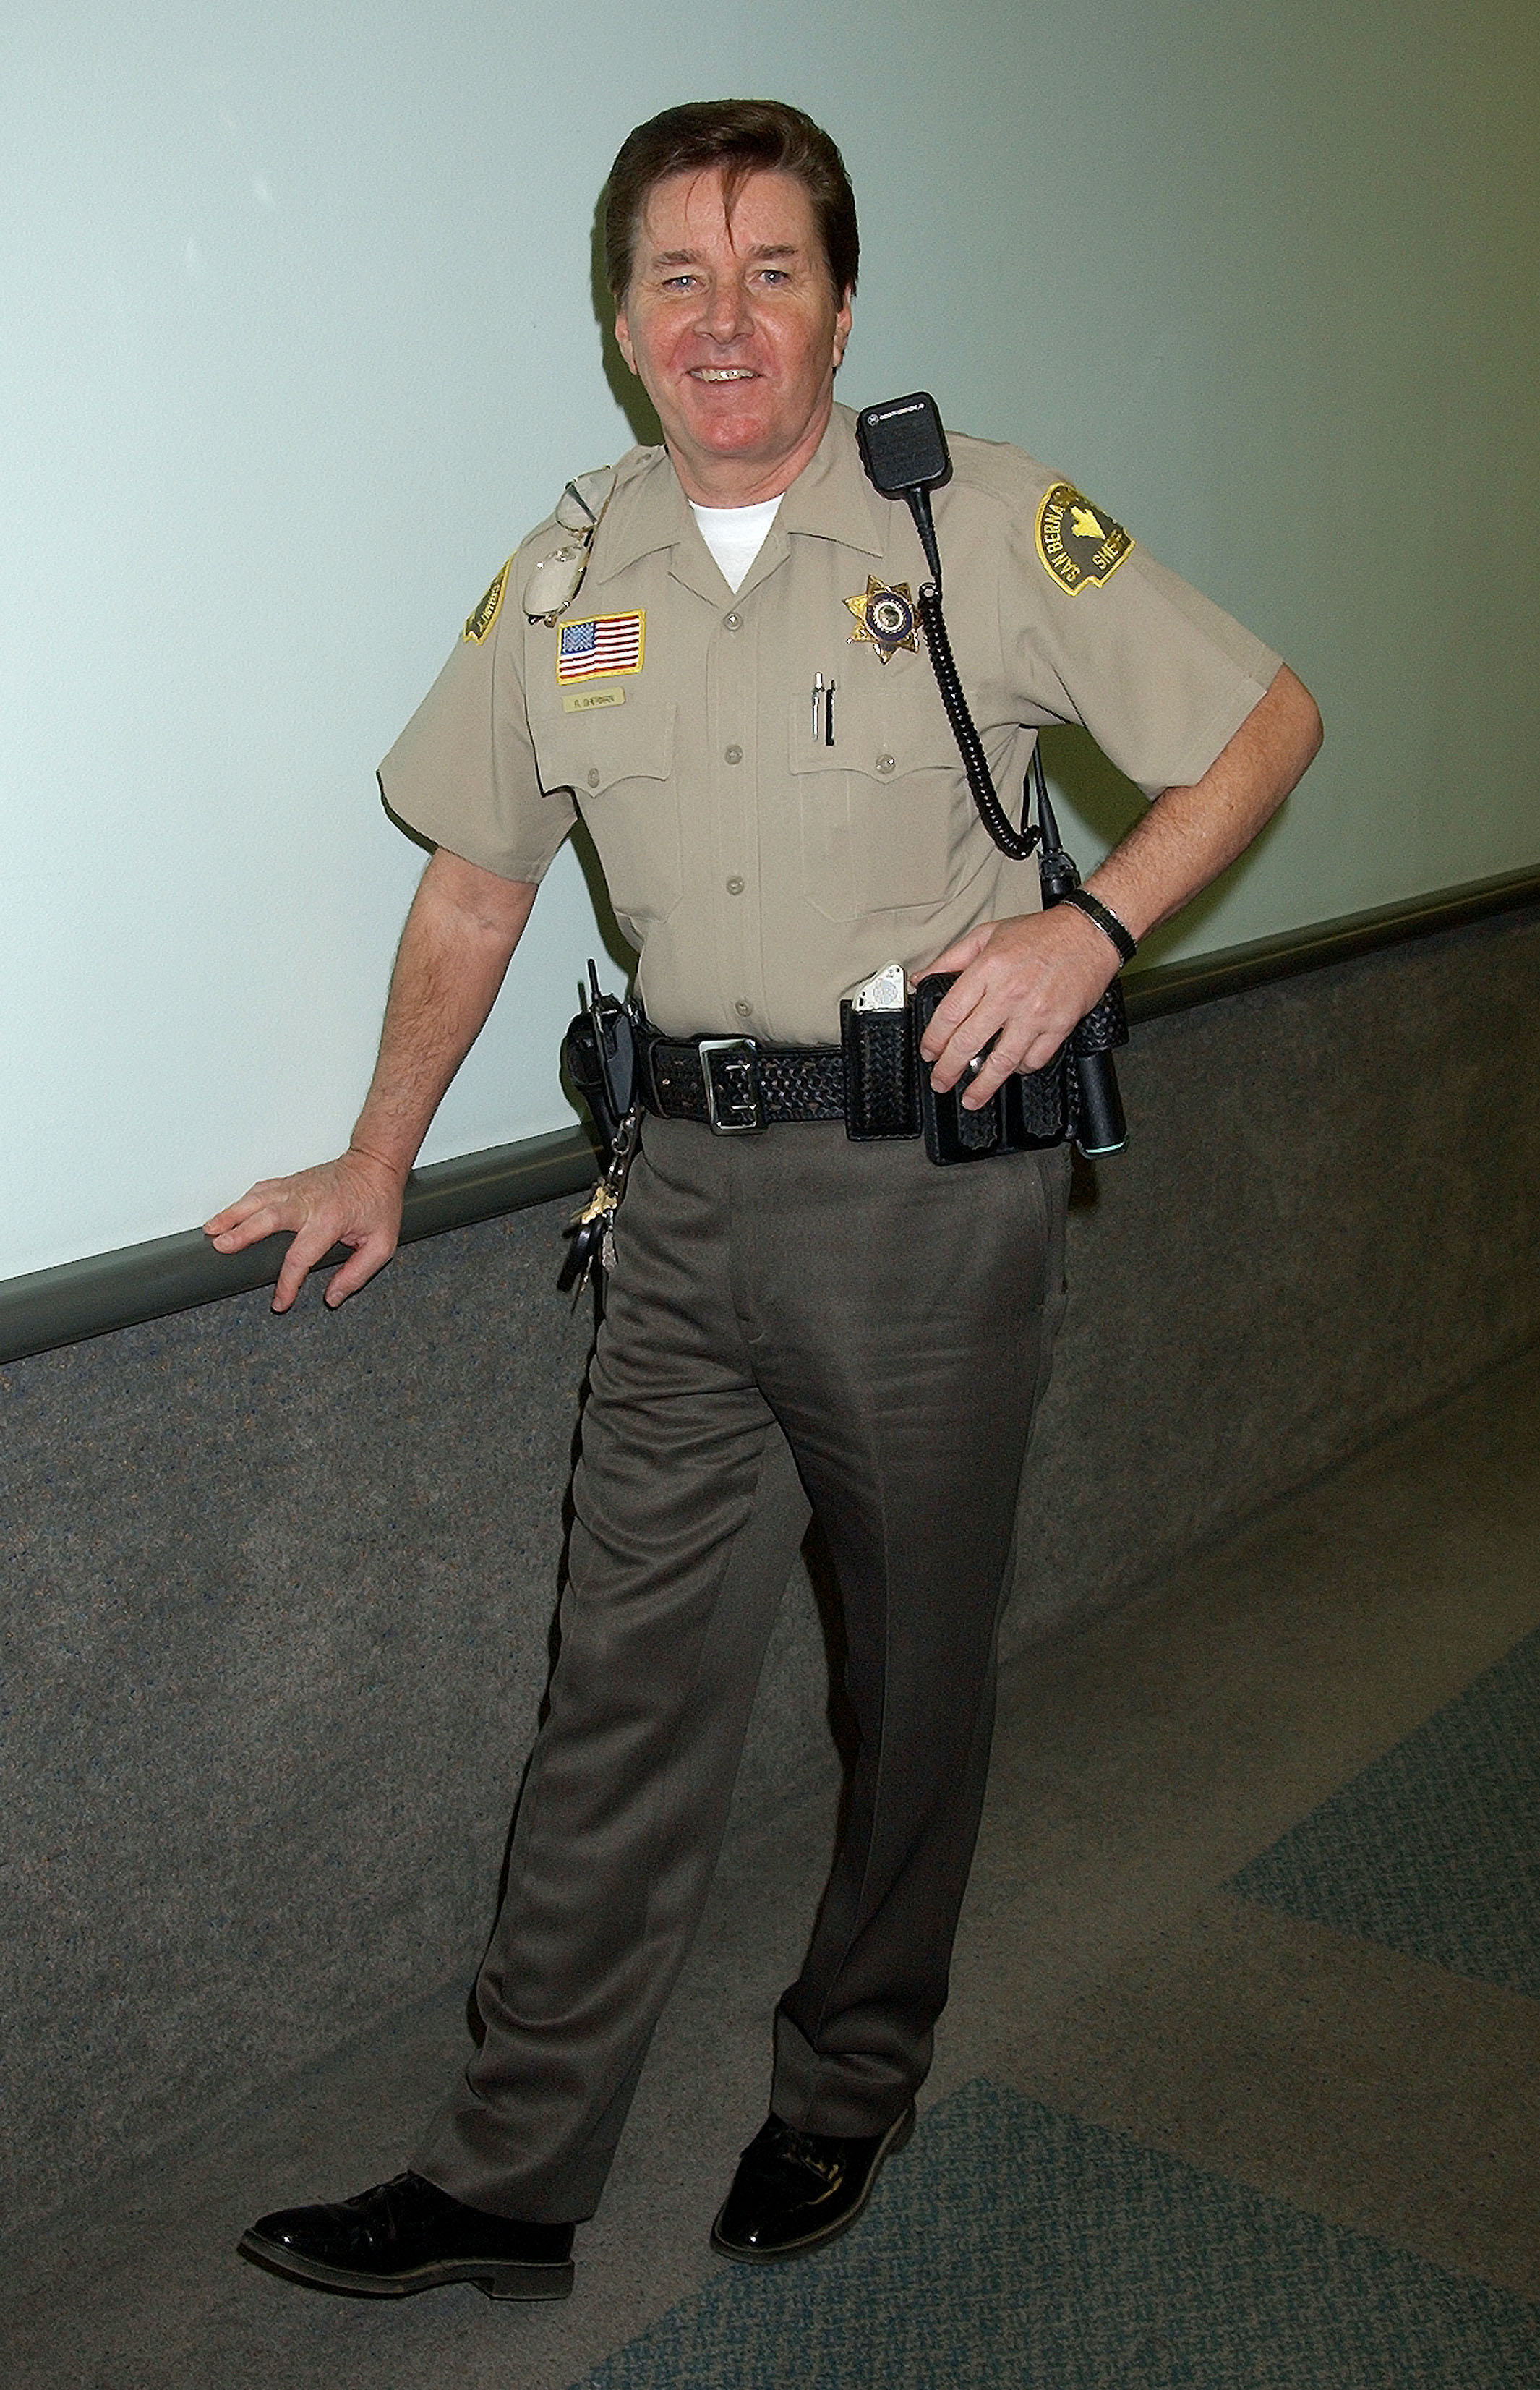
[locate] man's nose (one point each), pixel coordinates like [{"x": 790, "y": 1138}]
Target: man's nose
[{"x": 726, "y": 315}]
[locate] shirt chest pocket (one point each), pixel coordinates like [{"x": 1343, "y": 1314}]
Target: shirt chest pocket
[
  {"x": 880, "y": 816},
  {"x": 618, "y": 761}
]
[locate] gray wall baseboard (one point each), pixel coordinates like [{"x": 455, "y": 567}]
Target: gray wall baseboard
[
  {"x": 280, "y": 1591},
  {"x": 106, "y": 1292},
  {"x": 1289, "y": 954}
]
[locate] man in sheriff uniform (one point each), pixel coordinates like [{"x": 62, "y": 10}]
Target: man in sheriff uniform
[{"x": 710, "y": 655}]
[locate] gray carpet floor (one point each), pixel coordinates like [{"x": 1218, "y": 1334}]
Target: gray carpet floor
[
  {"x": 1071, "y": 2258},
  {"x": 1110, "y": 1979},
  {"x": 1435, "y": 1848}
]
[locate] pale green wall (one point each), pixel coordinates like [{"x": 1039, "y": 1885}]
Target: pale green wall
[{"x": 299, "y": 334}]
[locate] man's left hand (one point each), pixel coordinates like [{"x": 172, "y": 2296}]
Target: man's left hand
[
  {"x": 1035, "y": 977},
  {"x": 1032, "y": 979}
]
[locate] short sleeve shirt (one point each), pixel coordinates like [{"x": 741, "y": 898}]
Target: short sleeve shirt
[{"x": 763, "y": 868}]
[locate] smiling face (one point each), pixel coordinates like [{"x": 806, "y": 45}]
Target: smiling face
[{"x": 735, "y": 332}]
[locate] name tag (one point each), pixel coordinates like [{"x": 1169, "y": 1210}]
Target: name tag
[{"x": 583, "y": 700}]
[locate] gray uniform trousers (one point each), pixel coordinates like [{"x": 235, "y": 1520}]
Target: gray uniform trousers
[{"x": 792, "y": 1318}]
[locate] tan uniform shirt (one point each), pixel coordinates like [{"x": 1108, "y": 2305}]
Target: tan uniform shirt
[{"x": 763, "y": 872}]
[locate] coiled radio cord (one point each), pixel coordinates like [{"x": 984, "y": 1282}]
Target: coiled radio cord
[{"x": 1017, "y": 844}]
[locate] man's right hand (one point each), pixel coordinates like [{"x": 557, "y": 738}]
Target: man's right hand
[
  {"x": 463, "y": 925},
  {"x": 354, "y": 1201}
]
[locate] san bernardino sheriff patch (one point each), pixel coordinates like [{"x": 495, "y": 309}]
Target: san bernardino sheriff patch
[
  {"x": 479, "y": 624},
  {"x": 1079, "y": 546}
]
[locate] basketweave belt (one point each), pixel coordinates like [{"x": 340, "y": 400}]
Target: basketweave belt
[
  {"x": 874, "y": 1081},
  {"x": 739, "y": 1085}
]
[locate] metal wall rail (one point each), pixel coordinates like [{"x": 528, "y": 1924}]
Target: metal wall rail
[{"x": 119, "y": 1289}]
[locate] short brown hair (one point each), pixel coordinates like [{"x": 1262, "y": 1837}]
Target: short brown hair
[{"x": 744, "y": 136}]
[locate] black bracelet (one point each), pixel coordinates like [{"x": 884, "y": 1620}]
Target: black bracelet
[{"x": 1105, "y": 919}]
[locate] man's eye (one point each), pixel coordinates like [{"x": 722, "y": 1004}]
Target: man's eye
[{"x": 678, "y": 281}]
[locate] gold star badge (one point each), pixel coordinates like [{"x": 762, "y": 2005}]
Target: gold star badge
[{"x": 886, "y": 617}]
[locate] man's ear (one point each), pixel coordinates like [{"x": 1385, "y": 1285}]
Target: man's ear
[
  {"x": 622, "y": 338},
  {"x": 841, "y": 329}
]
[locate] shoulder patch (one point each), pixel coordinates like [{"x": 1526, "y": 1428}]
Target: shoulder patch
[
  {"x": 1079, "y": 546},
  {"x": 478, "y": 625}
]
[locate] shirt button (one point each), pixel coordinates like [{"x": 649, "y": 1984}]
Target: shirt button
[
  {"x": 744, "y": 1009},
  {"x": 734, "y": 887},
  {"x": 732, "y": 621},
  {"x": 593, "y": 779},
  {"x": 734, "y": 754},
  {"x": 884, "y": 763}
]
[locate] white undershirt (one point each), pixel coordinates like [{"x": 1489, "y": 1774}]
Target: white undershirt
[{"x": 735, "y": 535}]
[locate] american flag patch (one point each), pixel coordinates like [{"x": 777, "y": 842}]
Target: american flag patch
[{"x": 609, "y": 643}]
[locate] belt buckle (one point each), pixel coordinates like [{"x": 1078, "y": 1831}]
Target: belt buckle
[{"x": 733, "y": 1104}]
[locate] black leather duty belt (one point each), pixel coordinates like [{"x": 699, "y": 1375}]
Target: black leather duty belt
[
  {"x": 739, "y": 1087},
  {"x": 874, "y": 1081}
]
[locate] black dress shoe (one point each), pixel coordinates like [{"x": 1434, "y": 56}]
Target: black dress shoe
[
  {"x": 408, "y": 2235},
  {"x": 793, "y": 2191}
]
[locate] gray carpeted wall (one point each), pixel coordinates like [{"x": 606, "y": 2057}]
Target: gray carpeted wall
[{"x": 279, "y": 1592}]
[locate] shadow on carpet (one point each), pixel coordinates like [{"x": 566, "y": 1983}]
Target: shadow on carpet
[
  {"x": 1433, "y": 1849},
  {"x": 1010, "y": 2245}
]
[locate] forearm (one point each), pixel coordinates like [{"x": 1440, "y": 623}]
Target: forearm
[
  {"x": 1025, "y": 983},
  {"x": 460, "y": 932},
  {"x": 1191, "y": 834},
  {"x": 455, "y": 950}
]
